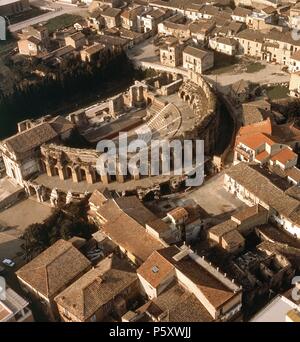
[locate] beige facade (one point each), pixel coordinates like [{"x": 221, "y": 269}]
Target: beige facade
[
  {"x": 197, "y": 60},
  {"x": 171, "y": 52}
]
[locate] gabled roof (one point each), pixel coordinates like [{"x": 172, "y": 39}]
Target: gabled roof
[
  {"x": 256, "y": 140},
  {"x": 195, "y": 52},
  {"x": 241, "y": 12},
  {"x": 31, "y": 138},
  {"x": 54, "y": 269},
  {"x": 97, "y": 287}
]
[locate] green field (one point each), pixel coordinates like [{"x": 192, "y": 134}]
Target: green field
[
  {"x": 254, "y": 67},
  {"x": 277, "y": 92},
  {"x": 62, "y": 22}
]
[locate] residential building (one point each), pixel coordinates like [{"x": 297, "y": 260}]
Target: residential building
[
  {"x": 242, "y": 90},
  {"x": 51, "y": 272},
  {"x": 105, "y": 289},
  {"x": 169, "y": 28},
  {"x": 120, "y": 220},
  {"x": 129, "y": 18},
  {"x": 171, "y": 52},
  {"x": 294, "y": 86},
  {"x": 14, "y": 308},
  {"x": 150, "y": 19},
  {"x": 253, "y": 186},
  {"x": 39, "y": 32},
  {"x": 255, "y": 112},
  {"x": 31, "y": 46},
  {"x": 220, "y": 296},
  {"x": 112, "y": 17},
  {"x": 259, "y": 20},
  {"x": 250, "y": 43},
  {"x": 197, "y": 60},
  {"x": 228, "y": 46},
  {"x": 280, "y": 309},
  {"x": 201, "y": 29},
  {"x": 76, "y": 40},
  {"x": 294, "y": 17},
  {"x": 92, "y": 53},
  {"x": 295, "y": 62},
  {"x": 240, "y": 14}
]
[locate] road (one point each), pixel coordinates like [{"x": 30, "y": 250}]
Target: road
[{"x": 57, "y": 9}]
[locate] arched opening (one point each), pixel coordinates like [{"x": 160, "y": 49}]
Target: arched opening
[
  {"x": 82, "y": 174},
  {"x": 55, "y": 171},
  {"x": 42, "y": 165},
  {"x": 68, "y": 172}
]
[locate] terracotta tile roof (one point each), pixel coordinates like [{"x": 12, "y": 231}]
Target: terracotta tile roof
[
  {"x": 223, "y": 228},
  {"x": 261, "y": 186},
  {"x": 284, "y": 156},
  {"x": 241, "y": 12},
  {"x": 257, "y": 127},
  {"x": 54, "y": 269},
  {"x": 124, "y": 230},
  {"x": 181, "y": 305},
  {"x": 214, "y": 291},
  {"x": 294, "y": 173},
  {"x": 96, "y": 288},
  {"x": 246, "y": 213},
  {"x": 195, "y": 52},
  {"x": 61, "y": 124},
  {"x": 156, "y": 269},
  {"x": 31, "y": 138},
  {"x": 233, "y": 238},
  {"x": 256, "y": 140},
  {"x": 262, "y": 156},
  {"x": 178, "y": 213}
]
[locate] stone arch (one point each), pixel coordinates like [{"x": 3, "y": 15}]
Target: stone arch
[
  {"x": 69, "y": 172},
  {"x": 55, "y": 171},
  {"x": 83, "y": 175},
  {"x": 42, "y": 166}
]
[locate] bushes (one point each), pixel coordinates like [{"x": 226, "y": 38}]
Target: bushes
[{"x": 62, "y": 224}]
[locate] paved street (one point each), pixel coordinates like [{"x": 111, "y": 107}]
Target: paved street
[{"x": 57, "y": 10}]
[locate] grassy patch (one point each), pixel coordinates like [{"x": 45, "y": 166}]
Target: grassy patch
[
  {"x": 254, "y": 67},
  {"x": 223, "y": 64},
  {"x": 277, "y": 92},
  {"x": 62, "y": 22}
]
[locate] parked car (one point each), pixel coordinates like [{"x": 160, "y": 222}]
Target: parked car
[{"x": 8, "y": 262}]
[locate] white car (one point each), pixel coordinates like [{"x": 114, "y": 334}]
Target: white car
[{"x": 8, "y": 262}]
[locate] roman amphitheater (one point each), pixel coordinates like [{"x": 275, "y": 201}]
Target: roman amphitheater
[{"x": 172, "y": 107}]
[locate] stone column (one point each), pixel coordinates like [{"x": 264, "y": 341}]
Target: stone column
[{"x": 75, "y": 175}]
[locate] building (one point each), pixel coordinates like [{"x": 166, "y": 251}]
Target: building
[
  {"x": 150, "y": 19},
  {"x": 250, "y": 42},
  {"x": 197, "y": 60},
  {"x": 260, "y": 148},
  {"x": 31, "y": 46},
  {"x": 220, "y": 296},
  {"x": 120, "y": 220},
  {"x": 171, "y": 52},
  {"x": 294, "y": 86},
  {"x": 112, "y": 17},
  {"x": 105, "y": 289},
  {"x": 240, "y": 14},
  {"x": 76, "y": 40},
  {"x": 295, "y": 62},
  {"x": 51, "y": 272},
  {"x": 253, "y": 186},
  {"x": 255, "y": 112},
  {"x": 129, "y": 18},
  {"x": 21, "y": 152},
  {"x": 11, "y": 7},
  {"x": 14, "y": 308},
  {"x": 242, "y": 90},
  {"x": 228, "y": 46},
  {"x": 201, "y": 29},
  {"x": 280, "y": 309},
  {"x": 92, "y": 53}
]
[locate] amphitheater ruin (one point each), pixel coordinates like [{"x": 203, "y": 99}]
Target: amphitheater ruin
[{"x": 169, "y": 105}]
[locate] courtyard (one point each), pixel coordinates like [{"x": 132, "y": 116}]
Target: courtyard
[{"x": 13, "y": 222}]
